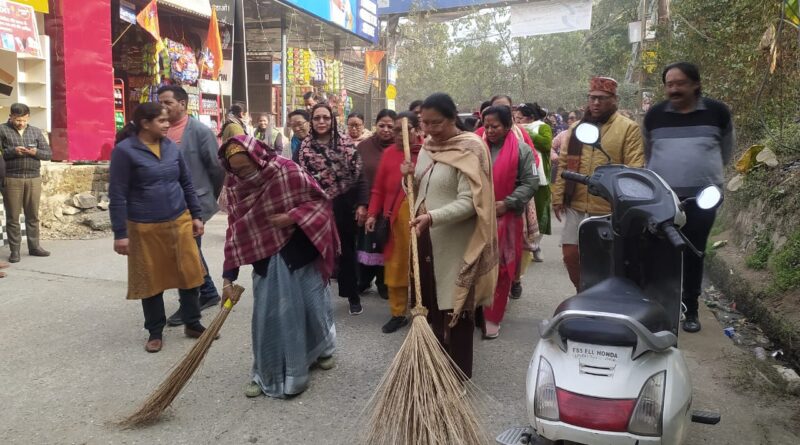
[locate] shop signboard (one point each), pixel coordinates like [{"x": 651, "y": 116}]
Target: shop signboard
[
  {"x": 225, "y": 10},
  {"x": 38, "y": 5},
  {"x": 387, "y": 7},
  {"x": 359, "y": 17},
  {"x": 127, "y": 12},
  {"x": 18, "y": 31}
]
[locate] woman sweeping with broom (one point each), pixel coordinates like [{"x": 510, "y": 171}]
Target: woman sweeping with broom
[
  {"x": 456, "y": 225},
  {"x": 280, "y": 222}
]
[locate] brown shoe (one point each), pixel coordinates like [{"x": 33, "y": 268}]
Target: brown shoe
[
  {"x": 196, "y": 332},
  {"x": 153, "y": 345},
  {"x": 38, "y": 252},
  {"x": 2, "y": 274}
]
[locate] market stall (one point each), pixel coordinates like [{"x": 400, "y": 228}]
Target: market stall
[{"x": 181, "y": 57}]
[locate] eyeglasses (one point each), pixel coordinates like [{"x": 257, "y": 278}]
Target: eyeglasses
[
  {"x": 593, "y": 98},
  {"x": 433, "y": 123},
  {"x": 354, "y": 126},
  {"x": 321, "y": 119}
]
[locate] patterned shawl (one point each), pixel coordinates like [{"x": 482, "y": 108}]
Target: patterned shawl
[
  {"x": 477, "y": 276},
  {"x": 280, "y": 186},
  {"x": 336, "y": 166}
]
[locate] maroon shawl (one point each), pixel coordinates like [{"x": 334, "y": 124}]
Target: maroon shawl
[{"x": 280, "y": 186}]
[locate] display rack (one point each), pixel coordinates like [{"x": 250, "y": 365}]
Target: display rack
[{"x": 31, "y": 85}]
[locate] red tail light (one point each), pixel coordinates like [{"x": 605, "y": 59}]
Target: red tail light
[{"x": 594, "y": 413}]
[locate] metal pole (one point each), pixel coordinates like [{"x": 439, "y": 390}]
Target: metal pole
[{"x": 284, "y": 83}]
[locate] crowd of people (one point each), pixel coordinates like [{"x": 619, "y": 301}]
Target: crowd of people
[{"x": 335, "y": 206}]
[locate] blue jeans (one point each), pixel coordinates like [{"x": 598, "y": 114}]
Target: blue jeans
[{"x": 208, "y": 290}]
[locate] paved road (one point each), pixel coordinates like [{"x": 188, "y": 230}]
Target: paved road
[{"x": 73, "y": 363}]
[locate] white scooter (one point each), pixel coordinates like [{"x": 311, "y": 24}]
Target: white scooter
[{"x": 607, "y": 368}]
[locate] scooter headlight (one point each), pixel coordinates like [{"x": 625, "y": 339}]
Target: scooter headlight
[
  {"x": 545, "y": 399},
  {"x": 646, "y": 419}
]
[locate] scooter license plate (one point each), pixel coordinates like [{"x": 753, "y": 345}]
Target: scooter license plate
[{"x": 598, "y": 354}]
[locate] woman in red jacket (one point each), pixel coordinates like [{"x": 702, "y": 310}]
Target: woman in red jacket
[{"x": 388, "y": 200}]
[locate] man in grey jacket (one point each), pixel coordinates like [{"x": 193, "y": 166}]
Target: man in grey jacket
[{"x": 199, "y": 147}]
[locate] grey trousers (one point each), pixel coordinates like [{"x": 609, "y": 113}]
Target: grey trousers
[{"x": 21, "y": 195}]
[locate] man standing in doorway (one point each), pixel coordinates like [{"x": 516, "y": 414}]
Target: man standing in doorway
[
  {"x": 688, "y": 141},
  {"x": 199, "y": 147},
  {"x": 24, "y": 147},
  {"x": 621, "y": 138}
]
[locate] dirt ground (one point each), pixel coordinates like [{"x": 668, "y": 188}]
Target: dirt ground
[{"x": 73, "y": 364}]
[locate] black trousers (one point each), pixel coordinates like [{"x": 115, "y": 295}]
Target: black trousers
[
  {"x": 457, "y": 341},
  {"x": 207, "y": 290},
  {"x": 346, "y": 277},
  {"x": 368, "y": 273},
  {"x": 697, "y": 228},
  {"x": 155, "y": 319}
]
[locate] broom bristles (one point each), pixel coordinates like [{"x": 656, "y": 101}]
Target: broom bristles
[
  {"x": 422, "y": 399},
  {"x": 166, "y": 392}
]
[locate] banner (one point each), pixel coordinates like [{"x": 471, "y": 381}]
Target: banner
[
  {"x": 214, "y": 45},
  {"x": 550, "y": 17},
  {"x": 372, "y": 62},
  {"x": 387, "y": 7},
  {"x": 18, "y": 31},
  {"x": 148, "y": 19},
  {"x": 359, "y": 17}
]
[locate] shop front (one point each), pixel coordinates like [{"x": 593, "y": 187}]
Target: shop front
[
  {"x": 107, "y": 60},
  {"x": 297, "y": 47}
]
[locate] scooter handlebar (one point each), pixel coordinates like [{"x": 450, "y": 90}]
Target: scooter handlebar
[
  {"x": 577, "y": 177},
  {"x": 674, "y": 236}
]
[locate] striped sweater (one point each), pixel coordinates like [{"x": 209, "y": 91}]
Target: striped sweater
[{"x": 689, "y": 150}]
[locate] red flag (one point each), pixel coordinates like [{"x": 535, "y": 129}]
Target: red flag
[
  {"x": 214, "y": 43},
  {"x": 148, "y": 19},
  {"x": 372, "y": 62}
]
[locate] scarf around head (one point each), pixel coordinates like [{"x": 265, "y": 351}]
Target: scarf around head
[
  {"x": 575, "y": 151},
  {"x": 279, "y": 186},
  {"x": 336, "y": 166},
  {"x": 477, "y": 276}
]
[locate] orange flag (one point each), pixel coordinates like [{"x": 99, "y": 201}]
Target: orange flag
[
  {"x": 214, "y": 43},
  {"x": 372, "y": 62},
  {"x": 148, "y": 19}
]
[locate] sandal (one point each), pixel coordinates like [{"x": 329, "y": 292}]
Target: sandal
[
  {"x": 326, "y": 363},
  {"x": 252, "y": 389}
]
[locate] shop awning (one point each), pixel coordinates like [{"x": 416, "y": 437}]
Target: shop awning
[{"x": 201, "y": 8}]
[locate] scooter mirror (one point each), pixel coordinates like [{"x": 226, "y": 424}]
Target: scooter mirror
[
  {"x": 709, "y": 197},
  {"x": 587, "y": 133}
]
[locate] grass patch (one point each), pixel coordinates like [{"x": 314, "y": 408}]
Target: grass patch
[
  {"x": 759, "y": 259},
  {"x": 749, "y": 375},
  {"x": 785, "y": 265}
]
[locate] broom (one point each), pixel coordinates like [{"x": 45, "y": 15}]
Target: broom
[
  {"x": 166, "y": 392},
  {"x": 422, "y": 399}
]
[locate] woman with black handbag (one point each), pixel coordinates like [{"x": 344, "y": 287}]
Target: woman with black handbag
[
  {"x": 369, "y": 245},
  {"x": 389, "y": 218}
]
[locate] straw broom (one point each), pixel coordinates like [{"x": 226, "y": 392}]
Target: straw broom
[
  {"x": 422, "y": 399},
  {"x": 166, "y": 392}
]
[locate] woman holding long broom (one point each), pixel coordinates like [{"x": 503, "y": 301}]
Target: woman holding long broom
[
  {"x": 456, "y": 225},
  {"x": 389, "y": 201},
  {"x": 281, "y": 222},
  {"x": 155, "y": 215}
]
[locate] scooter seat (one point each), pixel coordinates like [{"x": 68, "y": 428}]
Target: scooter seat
[{"x": 617, "y": 296}]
